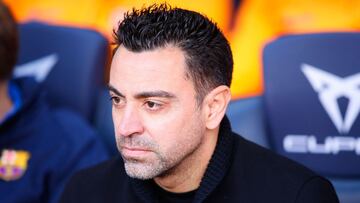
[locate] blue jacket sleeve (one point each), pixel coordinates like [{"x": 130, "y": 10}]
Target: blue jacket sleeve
[{"x": 80, "y": 147}]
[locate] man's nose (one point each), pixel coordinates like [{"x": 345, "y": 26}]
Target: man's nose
[{"x": 130, "y": 123}]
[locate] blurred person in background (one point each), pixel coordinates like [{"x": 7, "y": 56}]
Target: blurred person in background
[
  {"x": 170, "y": 87},
  {"x": 40, "y": 147}
]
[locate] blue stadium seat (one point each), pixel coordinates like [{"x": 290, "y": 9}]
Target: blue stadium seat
[
  {"x": 310, "y": 108},
  {"x": 103, "y": 121},
  {"x": 247, "y": 119},
  {"x": 69, "y": 62}
]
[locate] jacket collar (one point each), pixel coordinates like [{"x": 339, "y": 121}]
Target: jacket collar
[{"x": 30, "y": 95}]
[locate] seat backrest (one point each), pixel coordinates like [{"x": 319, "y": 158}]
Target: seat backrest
[
  {"x": 68, "y": 61},
  {"x": 312, "y": 100},
  {"x": 247, "y": 119}
]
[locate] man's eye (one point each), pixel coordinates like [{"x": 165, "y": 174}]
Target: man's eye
[
  {"x": 115, "y": 100},
  {"x": 153, "y": 106}
]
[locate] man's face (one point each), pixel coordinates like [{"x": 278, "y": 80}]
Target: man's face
[{"x": 157, "y": 121}]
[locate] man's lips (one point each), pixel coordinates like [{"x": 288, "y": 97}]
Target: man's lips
[{"x": 134, "y": 151}]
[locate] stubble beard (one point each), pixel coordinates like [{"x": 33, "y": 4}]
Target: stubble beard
[
  {"x": 142, "y": 168},
  {"x": 161, "y": 163}
]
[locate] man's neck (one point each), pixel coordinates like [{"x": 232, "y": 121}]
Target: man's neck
[
  {"x": 187, "y": 176},
  {"x": 5, "y": 101}
]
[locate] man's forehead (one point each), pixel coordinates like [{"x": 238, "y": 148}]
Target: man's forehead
[
  {"x": 167, "y": 62},
  {"x": 172, "y": 51}
]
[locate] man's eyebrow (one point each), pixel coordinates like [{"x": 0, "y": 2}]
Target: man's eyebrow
[
  {"x": 114, "y": 90},
  {"x": 142, "y": 95},
  {"x": 158, "y": 93}
]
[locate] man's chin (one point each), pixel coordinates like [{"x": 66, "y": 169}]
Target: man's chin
[{"x": 143, "y": 171}]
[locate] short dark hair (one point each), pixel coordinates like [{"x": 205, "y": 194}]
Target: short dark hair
[
  {"x": 207, "y": 52},
  {"x": 8, "y": 42}
]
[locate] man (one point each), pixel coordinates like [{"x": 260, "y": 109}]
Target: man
[
  {"x": 169, "y": 85},
  {"x": 40, "y": 147}
]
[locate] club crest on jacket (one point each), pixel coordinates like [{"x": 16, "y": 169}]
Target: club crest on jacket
[{"x": 13, "y": 164}]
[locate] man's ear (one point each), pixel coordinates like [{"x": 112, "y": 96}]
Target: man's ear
[{"x": 215, "y": 104}]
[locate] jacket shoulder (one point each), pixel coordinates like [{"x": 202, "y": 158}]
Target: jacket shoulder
[
  {"x": 264, "y": 175},
  {"x": 96, "y": 184}
]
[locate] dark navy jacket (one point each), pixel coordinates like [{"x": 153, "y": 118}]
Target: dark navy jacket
[
  {"x": 239, "y": 172},
  {"x": 58, "y": 141}
]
